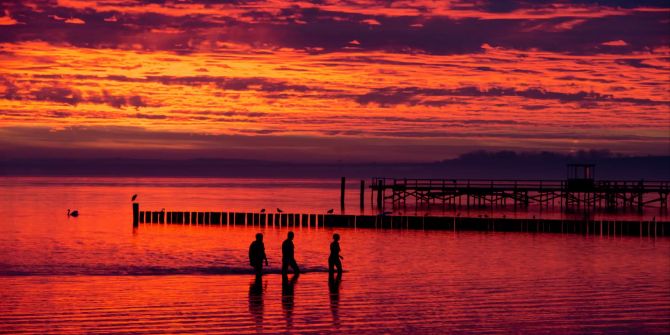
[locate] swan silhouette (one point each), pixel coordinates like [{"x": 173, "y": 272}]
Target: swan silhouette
[
  {"x": 330, "y": 211},
  {"x": 279, "y": 210},
  {"x": 263, "y": 210},
  {"x": 73, "y": 213}
]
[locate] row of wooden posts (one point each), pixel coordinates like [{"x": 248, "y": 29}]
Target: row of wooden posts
[
  {"x": 228, "y": 218},
  {"x": 649, "y": 228}
]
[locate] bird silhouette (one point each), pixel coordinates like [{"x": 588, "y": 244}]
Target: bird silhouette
[
  {"x": 279, "y": 210},
  {"x": 73, "y": 213},
  {"x": 263, "y": 210},
  {"x": 330, "y": 211},
  {"x": 134, "y": 197}
]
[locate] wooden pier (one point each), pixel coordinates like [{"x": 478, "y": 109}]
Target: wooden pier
[
  {"x": 646, "y": 228},
  {"x": 488, "y": 193},
  {"x": 579, "y": 191}
]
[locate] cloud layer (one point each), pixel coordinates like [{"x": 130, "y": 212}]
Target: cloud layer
[{"x": 430, "y": 78}]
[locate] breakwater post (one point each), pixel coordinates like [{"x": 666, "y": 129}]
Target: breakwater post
[{"x": 136, "y": 214}]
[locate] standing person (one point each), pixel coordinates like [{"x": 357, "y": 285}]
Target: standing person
[
  {"x": 257, "y": 254},
  {"x": 288, "y": 256},
  {"x": 334, "y": 260}
]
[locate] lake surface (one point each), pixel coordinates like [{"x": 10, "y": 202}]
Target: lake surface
[{"x": 95, "y": 274}]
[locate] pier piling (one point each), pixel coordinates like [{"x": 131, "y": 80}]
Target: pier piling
[
  {"x": 362, "y": 201},
  {"x": 342, "y": 187}
]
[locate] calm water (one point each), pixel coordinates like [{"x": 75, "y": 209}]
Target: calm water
[{"x": 94, "y": 274}]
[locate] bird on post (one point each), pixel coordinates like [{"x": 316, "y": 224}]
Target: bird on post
[
  {"x": 279, "y": 210},
  {"x": 73, "y": 213},
  {"x": 134, "y": 197}
]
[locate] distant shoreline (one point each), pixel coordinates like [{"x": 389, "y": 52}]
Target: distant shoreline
[{"x": 483, "y": 166}]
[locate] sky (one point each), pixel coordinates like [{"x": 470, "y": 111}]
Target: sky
[{"x": 332, "y": 80}]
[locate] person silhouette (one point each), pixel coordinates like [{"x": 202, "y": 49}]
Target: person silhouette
[
  {"x": 257, "y": 254},
  {"x": 334, "y": 260},
  {"x": 288, "y": 256}
]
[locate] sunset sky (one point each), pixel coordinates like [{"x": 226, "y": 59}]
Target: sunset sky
[{"x": 327, "y": 80}]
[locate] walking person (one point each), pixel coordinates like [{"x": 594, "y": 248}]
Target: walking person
[
  {"x": 257, "y": 254},
  {"x": 288, "y": 256},
  {"x": 334, "y": 260}
]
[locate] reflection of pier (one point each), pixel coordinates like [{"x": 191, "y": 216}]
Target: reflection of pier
[{"x": 579, "y": 191}]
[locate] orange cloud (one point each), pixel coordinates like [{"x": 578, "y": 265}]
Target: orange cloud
[{"x": 7, "y": 19}]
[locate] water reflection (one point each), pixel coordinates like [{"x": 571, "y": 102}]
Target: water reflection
[
  {"x": 256, "y": 290},
  {"x": 334, "y": 288},
  {"x": 287, "y": 295}
]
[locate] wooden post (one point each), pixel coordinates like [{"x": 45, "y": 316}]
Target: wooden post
[
  {"x": 380, "y": 196},
  {"x": 342, "y": 183},
  {"x": 136, "y": 214},
  {"x": 362, "y": 195}
]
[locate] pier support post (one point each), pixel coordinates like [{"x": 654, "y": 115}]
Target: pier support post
[
  {"x": 362, "y": 195},
  {"x": 380, "y": 196},
  {"x": 136, "y": 214},
  {"x": 342, "y": 184}
]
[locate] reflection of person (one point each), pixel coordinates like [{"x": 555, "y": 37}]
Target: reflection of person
[
  {"x": 257, "y": 254},
  {"x": 334, "y": 288},
  {"x": 256, "y": 301},
  {"x": 287, "y": 298},
  {"x": 334, "y": 260},
  {"x": 288, "y": 256}
]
